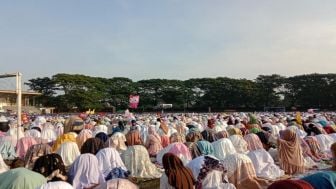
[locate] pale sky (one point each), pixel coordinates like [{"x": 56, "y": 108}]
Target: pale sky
[{"x": 173, "y": 39}]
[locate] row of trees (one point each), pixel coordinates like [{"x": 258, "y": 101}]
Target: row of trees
[{"x": 66, "y": 91}]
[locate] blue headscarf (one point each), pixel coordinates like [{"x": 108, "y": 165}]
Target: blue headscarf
[
  {"x": 102, "y": 136},
  {"x": 322, "y": 180},
  {"x": 205, "y": 147},
  {"x": 323, "y": 123}
]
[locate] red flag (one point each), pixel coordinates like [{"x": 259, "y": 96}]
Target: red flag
[{"x": 134, "y": 101}]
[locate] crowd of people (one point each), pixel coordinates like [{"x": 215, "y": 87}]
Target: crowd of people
[{"x": 183, "y": 151}]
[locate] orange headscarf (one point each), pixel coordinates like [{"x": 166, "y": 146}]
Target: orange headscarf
[
  {"x": 133, "y": 138},
  {"x": 290, "y": 153}
]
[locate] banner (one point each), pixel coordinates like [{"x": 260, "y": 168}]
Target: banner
[{"x": 134, "y": 101}]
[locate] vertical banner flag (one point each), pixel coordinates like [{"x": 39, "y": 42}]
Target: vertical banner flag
[{"x": 134, "y": 101}]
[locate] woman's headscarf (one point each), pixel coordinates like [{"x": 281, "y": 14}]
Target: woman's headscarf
[
  {"x": 239, "y": 143},
  {"x": 179, "y": 176},
  {"x": 221, "y": 134},
  {"x": 59, "y": 129},
  {"x": 263, "y": 138},
  {"x": 244, "y": 131},
  {"x": 56, "y": 185},
  {"x": 14, "y": 134},
  {"x": 83, "y": 136},
  {"x": 21, "y": 178},
  {"x": 254, "y": 130},
  {"x": 137, "y": 161},
  {"x": 292, "y": 184},
  {"x": 211, "y": 123},
  {"x": 325, "y": 142},
  {"x": 117, "y": 141},
  {"x": 85, "y": 173},
  {"x": 92, "y": 145},
  {"x": 252, "y": 119},
  {"x": 209, "y": 135},
  {"x": 209, "y": 173},
  {"x": 329, "y": 129},
  {"x": 177, "y": 148},
  {"x": 119, "y": 128},
  {"x": 68, "y": 137},
  {"x": 165, "y": 140},
  {"x": 253, "y": 142},
  {"x": 133, "y": 137},
  {"x": 49, "y": 134},
  {"x": 290, "y": 153},
  {"x": 223, "y": 147},
  {"x": 109, "y": 159},
  {"x": 235, "y": 131},
  {"x": 316, "y": 149},
  {"x": 205, "y": 147},
  {"x": 69, "y": 152},
  {"x": 153, "y": 143},
  {"x": 241, "y": 172},
  {"x": 7, "y": 150},
  {"x": 252, "y": 126},
  {"x": 34, "y": 152},
  {"x": 100, "y": 129},
  {"x": 23, "y": 146},
  {"x": 33, "y": 133},
  {"x": 51, "y": 166},
  {"x": 102, "y": 136},
  {"x": 152, "y": 132},
  {"x": 164, "y": 127},
  {"x": 264, "y": 165},
  {"x": 177, "y": 137},
  {"x": 322, "y": 180},
  {"x": 307, "y": 153},
  {"x": 193, "y": 136},
  {"x": 300, "y": 132}
]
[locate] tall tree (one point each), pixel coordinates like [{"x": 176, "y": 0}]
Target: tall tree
[{"x": 45, "y": 86}]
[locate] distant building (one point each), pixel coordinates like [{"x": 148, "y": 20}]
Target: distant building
[{"x": 8, "y": 100}]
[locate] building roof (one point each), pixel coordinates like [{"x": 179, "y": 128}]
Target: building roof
[{"x": 23, "y": 92}]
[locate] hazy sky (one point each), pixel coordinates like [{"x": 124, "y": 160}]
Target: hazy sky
[{"x": 181, "y": 39}]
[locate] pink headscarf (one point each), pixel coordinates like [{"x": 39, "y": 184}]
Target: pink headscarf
[
  {"x": 253, "y": 142},
  {"x": 165, "y": 141},
  {"x": 153, "y": 142},
  {"x": 180, "y": 149},
  {"x": 151, "y": 131},
  {"x": 83, "y": 136},
  {"x": 316, "y": 149},
  {"x": 23, "y": 146}
]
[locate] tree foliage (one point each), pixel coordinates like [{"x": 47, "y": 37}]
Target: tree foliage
[{"x": 69, "y": 91}]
